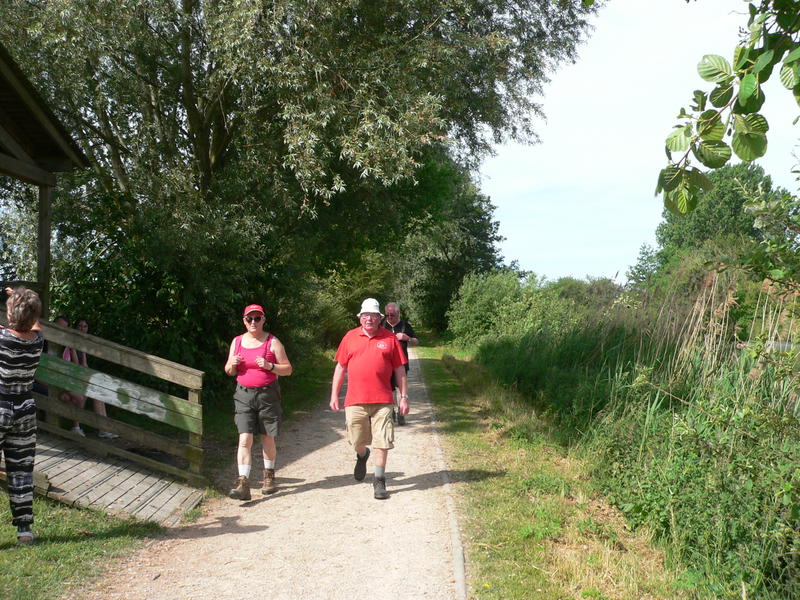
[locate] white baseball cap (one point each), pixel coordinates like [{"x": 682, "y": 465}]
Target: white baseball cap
[{"x": 370, "y": 305}]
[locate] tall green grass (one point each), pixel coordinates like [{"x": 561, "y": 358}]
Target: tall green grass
[
  {"x": 703, "y": 446},
  {"x": 693, "y": 434}
]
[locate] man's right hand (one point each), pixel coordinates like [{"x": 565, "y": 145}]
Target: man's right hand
[
  {"x": 403, "y": 407},
  {"x": 334, "y": 404}
]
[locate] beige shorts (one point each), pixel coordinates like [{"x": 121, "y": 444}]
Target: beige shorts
[{"x": 370, "y": 425}]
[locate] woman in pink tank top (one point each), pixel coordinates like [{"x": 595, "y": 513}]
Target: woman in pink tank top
[{"x": 256, "y": 358}]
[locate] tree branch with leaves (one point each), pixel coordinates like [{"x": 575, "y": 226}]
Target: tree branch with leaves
[{"x": 726, "y": 120}]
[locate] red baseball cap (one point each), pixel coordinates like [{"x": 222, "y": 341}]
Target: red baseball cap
[{"x": 253, "y": 308}]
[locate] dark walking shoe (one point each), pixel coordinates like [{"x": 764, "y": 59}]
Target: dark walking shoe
[
  {"x": 242, "y": 489},
  {"x": 269, "y": 482},
  {"x": 360, "y": 470},
  {"x": 379, "y": 487}
]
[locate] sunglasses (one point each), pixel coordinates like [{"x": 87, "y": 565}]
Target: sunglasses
[{"x": 254, "y": 319}]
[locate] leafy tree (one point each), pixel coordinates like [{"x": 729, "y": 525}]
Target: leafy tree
[
  {"x": 731, "y": 110},
  {"x": 457, "y": 236},
  {"x": 647, "y": 264},
  {"x": 593, "y": 293},
  {"x": 243, "y": 150},
  {"x": 720, "y": 211},
  {"x": 17, "y": 232},
  {"x": 480, "y": 303},
  {"x": 308, "y": 95},
  {"x": 724, "y": 213},
  {"x": 778, "y": 256}
]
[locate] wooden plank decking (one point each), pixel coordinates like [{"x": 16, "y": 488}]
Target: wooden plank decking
[{"x": 68, "y": 473}]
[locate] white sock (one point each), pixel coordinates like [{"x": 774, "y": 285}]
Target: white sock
[
  {"x": 269, "y": 464},
  {"x": 380, "y": 472},
  {"x": 244, "y": 470}
]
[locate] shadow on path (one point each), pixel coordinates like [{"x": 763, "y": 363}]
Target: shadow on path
[
  {"x": 217, "y": 526},
  {"x": 397, "y": 482}
]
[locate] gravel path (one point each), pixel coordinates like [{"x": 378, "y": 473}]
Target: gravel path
[{"x": 321, "y": 535}]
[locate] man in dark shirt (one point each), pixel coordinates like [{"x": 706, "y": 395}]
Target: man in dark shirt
[{"x": 405, "y": 335}]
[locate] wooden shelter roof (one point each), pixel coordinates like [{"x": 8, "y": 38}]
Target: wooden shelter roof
[{"x": 33, "y": 142}]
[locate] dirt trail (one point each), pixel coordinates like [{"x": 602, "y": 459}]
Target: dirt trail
[{"x": 321, "y": 535}]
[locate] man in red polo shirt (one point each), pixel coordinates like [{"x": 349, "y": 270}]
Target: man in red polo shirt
[{"x": 369, "y": 354}]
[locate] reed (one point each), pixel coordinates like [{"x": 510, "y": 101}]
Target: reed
[{"x": 690, "y": 416}]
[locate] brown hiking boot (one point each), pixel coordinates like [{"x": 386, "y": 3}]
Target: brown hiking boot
[
  {"x": 269, "y": 482},
  {"x": 242, "y": 489}
]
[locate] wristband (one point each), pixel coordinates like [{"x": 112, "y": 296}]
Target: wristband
[
  {"x": 404, "y": 396},
  {"x": 272, "y": 368}
]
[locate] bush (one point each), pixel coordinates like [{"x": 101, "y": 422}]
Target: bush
[{"x": 481, "y": 302}]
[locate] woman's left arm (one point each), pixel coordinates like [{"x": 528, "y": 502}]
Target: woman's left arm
[{"x": 281, "y": 366}]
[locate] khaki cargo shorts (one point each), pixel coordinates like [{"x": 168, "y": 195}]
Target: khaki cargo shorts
[{"x": 370, "y": 425}]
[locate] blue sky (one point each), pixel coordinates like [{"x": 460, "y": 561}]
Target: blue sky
[{"x": 581, "y": 202}]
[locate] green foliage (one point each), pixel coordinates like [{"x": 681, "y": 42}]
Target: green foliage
[
  {"x": 455, "y": 237},
  {"x": 772, "y": 38},
  {"x": 235, "y": 158},
  {"x": 640, "y": 274},
  {"x": 720, "y": 211},
  {"x": 727, "y": 436},
  {"x": 17, "y": 231},
  {"x": 721, "y": 233},
  {"x": 175, "y": 93},
  {"x": 593, "y": 293},
  {"x": 533, "y": 339},
  {"x": 777, "y": 217},
  {"x": 484, "y": 300},
  {"x": 537, "y": 496},
  {"x": 676, "y": 278},
  {"x": 338, "y": 296},
  {"x": 555, "y": 362},
  {"x": 690, "y": 436}
]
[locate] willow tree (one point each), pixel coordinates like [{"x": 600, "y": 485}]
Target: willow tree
[
  {"x": 217, "y": 129},
  {"x": 166, "y": 94}
]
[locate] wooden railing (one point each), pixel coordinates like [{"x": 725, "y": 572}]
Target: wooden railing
[{"x": 183, "y": 414}]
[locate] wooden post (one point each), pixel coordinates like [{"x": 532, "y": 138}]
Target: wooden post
[
  {"x": 43, "y": 246},
  {"x": 195, "y": 466}
]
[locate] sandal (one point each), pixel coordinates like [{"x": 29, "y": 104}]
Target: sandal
[{"x": 25, "y": 538}]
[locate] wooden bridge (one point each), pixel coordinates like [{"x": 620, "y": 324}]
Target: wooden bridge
[
  {"x": 68, "y": 473},
  {"x": 144, "y": 471}
]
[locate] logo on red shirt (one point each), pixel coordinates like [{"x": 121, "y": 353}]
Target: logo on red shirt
[{"x": 382, "y": 345}]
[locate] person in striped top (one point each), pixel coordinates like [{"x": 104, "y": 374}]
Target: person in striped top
[{"x": 21, "y": 344}]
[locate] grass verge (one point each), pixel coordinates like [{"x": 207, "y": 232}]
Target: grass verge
[
  {"x": 533, "y": 525},
  {"x": 73, "y": 545}
]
